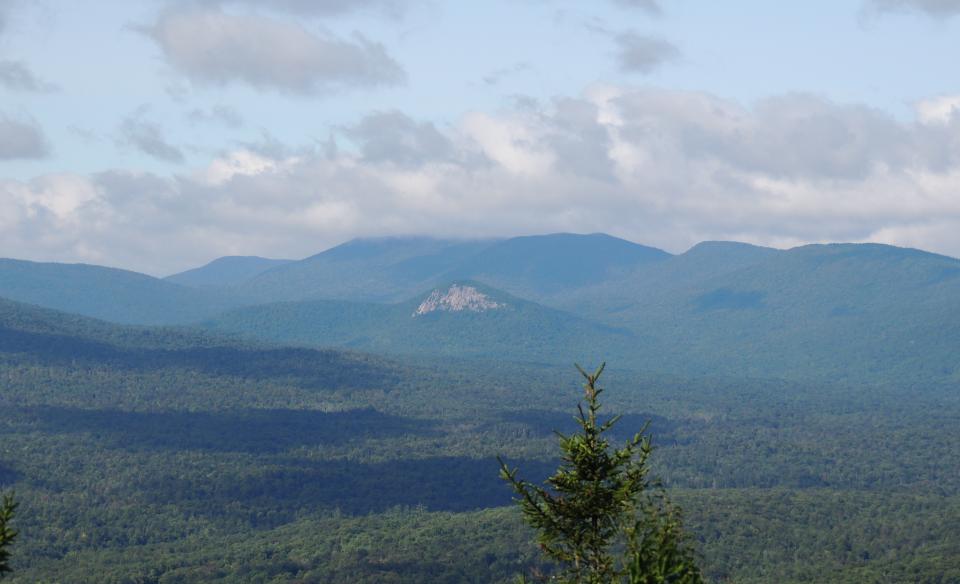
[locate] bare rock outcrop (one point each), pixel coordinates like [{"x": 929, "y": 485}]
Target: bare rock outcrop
[{"x": 457, "y": 298}]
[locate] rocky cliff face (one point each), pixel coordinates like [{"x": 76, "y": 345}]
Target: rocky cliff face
[{"x": 457, "y": 298}]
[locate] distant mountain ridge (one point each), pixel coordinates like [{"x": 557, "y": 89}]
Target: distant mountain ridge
[
  {"x": 376, "y": 270},
  {"x": 539, "y": 266},
  {"x": 839, "y": 311},
  {"x": 225, "y": 272},
  {"x": 392, "y": 269},
  {"x": 111, "y": 294},
  {"x": 843, "y": 311}
]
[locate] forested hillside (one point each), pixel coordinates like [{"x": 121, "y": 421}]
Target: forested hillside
[
  {"x": 842, "y": 312},
  {"x": 834, "y": 312},
  {"x": 116, "y": 295},
  {"x": 851, "y": 313},
  {"x": 167, "y": 455},
  {"x": 365, "y": 270},
  {"x": 226, "y": 272},
  {"x": 535, "y": 333}
]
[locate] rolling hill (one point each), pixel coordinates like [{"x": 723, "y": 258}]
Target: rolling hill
[
  {"x": 633, "y": 286},
  {"x": 179, "y": 454},
  {"x": 39, "y": 336},
  {"x": 111, "y": 294},
  {"x": 843, "y": 311},
  {"x": 460, "y": 319},
  {"x": 850, "y": 312}
]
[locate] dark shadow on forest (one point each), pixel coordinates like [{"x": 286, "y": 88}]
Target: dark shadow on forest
[
  {"x": 546, "y": 422},
  {"x": 293, "y": 485},
  {"x": 309, "y": 368},
  {"x": 8, "y": 476},
  {"x": 251, "y": 431}
]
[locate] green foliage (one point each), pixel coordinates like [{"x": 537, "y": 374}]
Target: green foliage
[
  {"x": 847, "y": 313},
  {"x": 537, "y": 333},
  {"x": 600, "y": 499},
  {"x": 140, "y": 454},
  {"x": 659, "y": 551},
  {"x": 7, "y": 533},
  {"x": 844, "y": 312}
]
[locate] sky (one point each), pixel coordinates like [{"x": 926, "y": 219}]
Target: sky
[{"x": 156, "y": 135}]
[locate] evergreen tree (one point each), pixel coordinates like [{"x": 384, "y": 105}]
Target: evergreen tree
[
  {"x": 7, "y": 533},
  {"x": 599, "y": 517}
]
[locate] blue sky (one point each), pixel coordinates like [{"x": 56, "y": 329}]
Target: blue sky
[{"x": 158, "y": 134}]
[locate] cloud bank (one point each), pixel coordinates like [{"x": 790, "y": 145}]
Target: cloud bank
[{"x": 667, "y": 168}]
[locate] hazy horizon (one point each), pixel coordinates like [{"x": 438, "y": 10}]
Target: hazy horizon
[{"x": 211, "y": 260}]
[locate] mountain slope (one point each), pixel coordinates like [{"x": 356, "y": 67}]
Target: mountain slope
[
  {"x": 700, "y": 263},
  {"x": 225, "y": 272},
  {"x": 392, "y": 269},
  {"x": 541, "y": 265},
  {"x": 377, "y": 270},
  {"x": 33, "y": 335},
  {"x": 462, "y": 319},
  {"x": 110, "y": 294},
  {"x": 849, "y": 312},
  {"x": 843, "y": 311}
]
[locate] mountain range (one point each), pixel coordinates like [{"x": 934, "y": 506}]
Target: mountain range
[{"x": 844, "y": 311}]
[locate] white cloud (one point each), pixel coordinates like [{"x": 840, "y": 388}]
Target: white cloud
[
  {"x": 510, "y": 142},
  {"x": 938, "y": 110},
  {"x": 210, "y": 46},
  {"x": 238, "y": 163},
  {"x": 658, "y": 167}
]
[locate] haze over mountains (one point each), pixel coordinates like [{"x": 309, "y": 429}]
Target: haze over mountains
[{"x": 843, "y": 310}]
